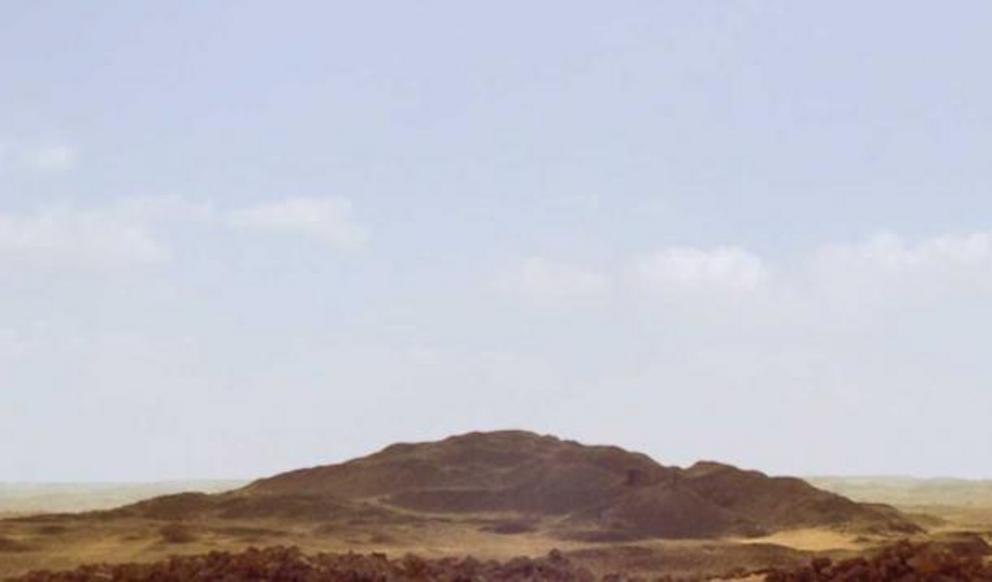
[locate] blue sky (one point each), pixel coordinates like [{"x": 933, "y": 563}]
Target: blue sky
[{"x": 241, "y": 238}]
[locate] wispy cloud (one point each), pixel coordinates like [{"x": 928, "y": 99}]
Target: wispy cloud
[
  {"x": 543, "y": 279},
  {"x": 135, "y": 230},
  {"x": 50, "y": 158},
  {"x": 725, "y": 267},
  {"x": 892, "y": 252},
  {"x": 38, "y": 157},
  {"x": 668, "y": 272},
  {"x": 168, "y": 207},
  {"x": 64, "y": 235},
  {"x": 847, "y": 280},
  {"x": 328, "y": 220}
]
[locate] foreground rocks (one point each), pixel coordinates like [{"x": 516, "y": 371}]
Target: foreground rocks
[
  {"x": 280, "y": 564},
  {"x": 903, "y": 561}
]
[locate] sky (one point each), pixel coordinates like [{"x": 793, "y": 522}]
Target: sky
[{"x": 242, "y": 238}]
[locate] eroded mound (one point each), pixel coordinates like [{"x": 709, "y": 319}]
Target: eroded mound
[
  {"x": 600, "y": 493},
  {"x": 600, "y": 490},
  {"x": 234, "y": 506}
]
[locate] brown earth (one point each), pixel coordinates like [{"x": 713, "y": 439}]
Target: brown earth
[
  {"x": 902, "y": 561},
  {"x": 290, "y": 565},
  {"x": 494, "y": 496},
  {"x": 597, "y": 490}
]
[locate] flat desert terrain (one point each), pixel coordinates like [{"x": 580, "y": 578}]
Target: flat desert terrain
[{"x": 18, "y": 499}]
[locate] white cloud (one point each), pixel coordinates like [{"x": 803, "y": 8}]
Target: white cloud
[
  {"x": 671, "y": 272},
  {"x": 832, "y": 276},
  {"x": 79, "y": 237},
  {"x": 328, "y": 220},
  {"x": 50, "y": 158},
  {"x": 11, "y": 344},
  {"x": 678, "y": 268},
  {"x": 546, "y": 280},
  {"x": 169, "y": 207},
  {"x": 892, "y": 252},
  {"x": 127, "y": 231},
  {"x": 888, "y": 274}
]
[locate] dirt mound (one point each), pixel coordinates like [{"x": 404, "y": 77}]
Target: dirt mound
[
  {"x": 600, "y": 489},
  {"x": 178, "y": 506},
  {"x": 903, "y": 561},
  {"x": 289, "y": 564},
  {"x": 787, "y": 502},
  {"x": 508, "y": 462},
  {"x": 598, "y": 493},
  {"x": 662, "y": 511},
  {"x": 313, "y": 508}
]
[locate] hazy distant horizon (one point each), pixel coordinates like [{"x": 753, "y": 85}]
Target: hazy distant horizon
[{"x": 238, "y": 239}]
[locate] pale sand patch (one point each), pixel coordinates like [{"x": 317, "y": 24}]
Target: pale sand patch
[{"x": 811, "y": 540}]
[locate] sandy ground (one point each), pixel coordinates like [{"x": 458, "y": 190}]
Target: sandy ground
[{"x": 34, "y": 543}]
